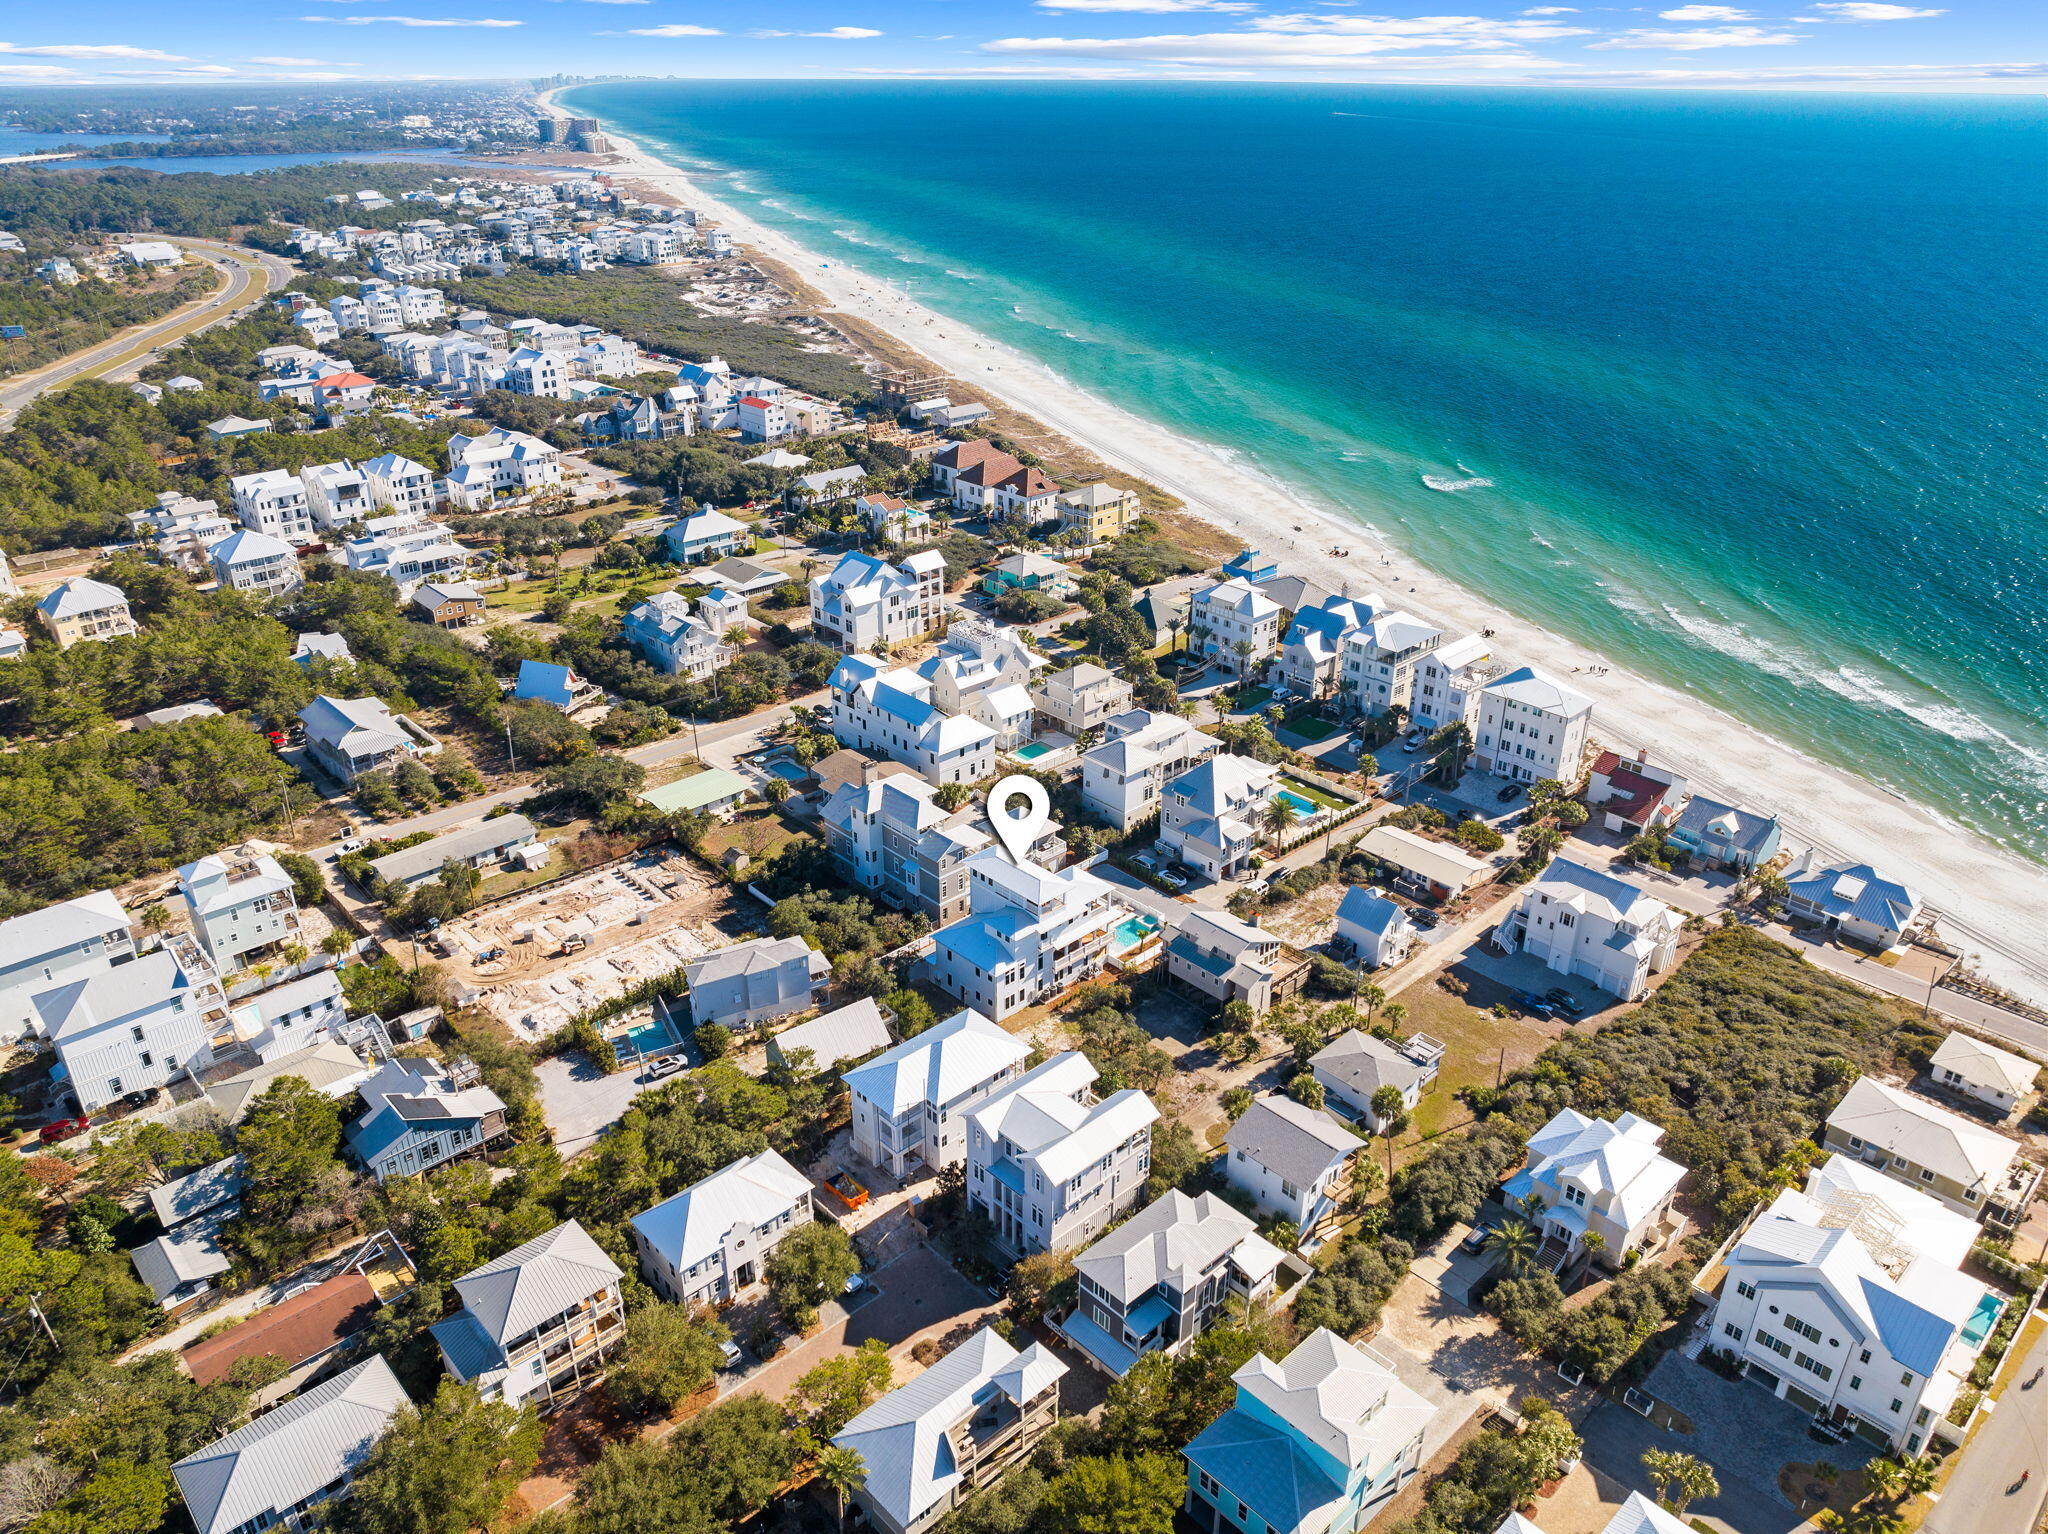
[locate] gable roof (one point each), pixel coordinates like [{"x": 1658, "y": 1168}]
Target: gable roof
[
  {"x": 940, "y": 1064},
  {"x": 288, "y": 1454},
  {"x": 847, "y": 1034},
  {"x": 746, "y": 1195},
  {"x": 531, "y": 1283},
  {"x": 302, "y": 1327},
  {"x": 1985, "y": 1065},
  {"x": 901, "y": 1439},
  {"x": 1174, "y": 1238},
  {"x": 1945, "y": 1143},
  {"x": 1291, "y": 1141},
  {"x": 1365, "y": 1064}
]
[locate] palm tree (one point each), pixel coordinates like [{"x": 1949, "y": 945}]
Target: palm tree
[
  {"x": 1917, "y": 1477},
  {"x": 1243, "y": 650},
  {"x": 843, "y": 1470},
  {"x": 1883, "y": 1476},
  {"x": 1680, "y": 1478},
  {"x": 1593, "y": 1242},
  {"x": 1514, "y": 1242},
  {"x": 1280, "y": 814}
]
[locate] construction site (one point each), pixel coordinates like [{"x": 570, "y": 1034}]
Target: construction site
[{"x": 538, "y": 959}]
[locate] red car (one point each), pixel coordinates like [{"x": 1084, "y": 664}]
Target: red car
[{"x": 63, "y": 1129}]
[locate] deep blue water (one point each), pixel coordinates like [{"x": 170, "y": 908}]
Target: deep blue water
[
  {"x": 1757, "y": 379},
  {"x": 23, "y": 141}
]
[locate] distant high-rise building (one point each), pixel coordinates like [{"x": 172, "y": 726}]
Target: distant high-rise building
[{"x": 550, "y": 130}]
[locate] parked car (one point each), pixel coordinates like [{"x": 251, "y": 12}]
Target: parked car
[
  {"x": 1173, "y": 878},
  {"x": 854, "y": 1285},
  {"x": 1566, "y": 1003},
  {"x": 63, "y": 1129},
  {"x": 731, "y": 1350},
  {"x": 664, "y": 1065},
  {"x": 350, "y": 844},
  {"x": 1475, "y": 1240},
  {"x": 1414, "y": 742},
  {"x": 141, "y": 1099},
  {"x": 1423, "y": 917},
  {"x": 1536, "y": 1006},
  {"x": 1512, "y": 791}
]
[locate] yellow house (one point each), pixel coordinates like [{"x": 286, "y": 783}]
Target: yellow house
[
  {"x": 85, "y": 609},
  {"x": 1099, "y": 512}
]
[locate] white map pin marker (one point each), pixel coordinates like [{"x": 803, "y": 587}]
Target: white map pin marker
[{"x": 1019, "y": 831}]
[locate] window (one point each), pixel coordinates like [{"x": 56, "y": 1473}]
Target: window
[
  {"x": 1864, "y": 1357},
  {"x": 1804, "y": 1328},
  {"x": 1733, "y": 1331},
  {"x": 1855, "y": 1382},
  {"x": 1746, "y": 1290},
  {"x": 1906, "y": 1378},
  {"x": 1814, "y": 1366},
  {"x": 1897, "y": 1406}
]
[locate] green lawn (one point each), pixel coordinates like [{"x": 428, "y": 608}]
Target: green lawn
[
  {"x": 1474, "y": 1041},
  {"x": 1321, "y": 798},
  {"x": 1251, "y": 702},
  {"x": 1305, "y": 724}
]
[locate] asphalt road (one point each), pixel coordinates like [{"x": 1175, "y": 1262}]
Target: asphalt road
[
  {"x": 1984, "y": 1494},
  {"x": 250, "y": 275}
]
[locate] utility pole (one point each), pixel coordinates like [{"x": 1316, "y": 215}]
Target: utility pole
[{"x": 511, "y": 762}]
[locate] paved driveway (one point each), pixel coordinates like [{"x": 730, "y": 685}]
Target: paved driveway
[
  {"x": 1740, "y": 1429},
  {"x": 581, "y": 1100}
]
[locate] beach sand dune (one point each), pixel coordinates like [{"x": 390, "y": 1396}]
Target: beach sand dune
[{"x": 1991, "y": 903}]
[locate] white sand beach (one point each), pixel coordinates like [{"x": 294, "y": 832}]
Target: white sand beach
[{"x": 1991, "y": 904}]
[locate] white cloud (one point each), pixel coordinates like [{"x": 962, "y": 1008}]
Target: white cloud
[
  {"x": 1150, "y": 7},
  {"x": 1248, "y": 50},
  {"x": 1035, "y": 72},
  {"x": 289, "y": 63},
  {"x": 844, "y": 32},
  {"x": 411, "y": 21},
  {"x": 675, "y": 29},
  {"x": 2026, "y": 76},
  {"x": 92, "y": 51},
  {"x": 36, "y": 72},
  {"x": 1862, "y": 10},
  {"x": 1552, "y": 10},
  {"x": 1706, "y": 13},
  {"x": 1705, "y": 37}
]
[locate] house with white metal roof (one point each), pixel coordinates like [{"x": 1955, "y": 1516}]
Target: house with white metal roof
[
  {"x": 909, "y": 1102},
  {"x": 1290, "y": 1158},
  {"x": 1435, "y": 869},
  {"x": 137, "y": 1026},
  {"x": 1226, "y": 959},
  {"x": 755, "y": 982},
  {"x": 704, "y": 535},
  {"x": 1234, "y": 613},
  {"x": 536, "y": 1324},
  {"x": 1603, "y": 1176},
  {"x": 1995, "y": 1077},
  {"x": 329, "y": 1068},
  {"x": 863, "y": 601},
  {"x": 851, "y": 1033},
  {"x": 256, "y": 562},
  {"x": 1030, "y": 934},
  {"x": 1531, "y": 726},
  {"x": 490, "y": 843},
  {"x": 711, "y": 1242},
  {"x": 1211, "y": 817},
  {"x": 1582, "y": 921},
  {"x": 1383, "y": 659},
  {"x": 85, "y": 609},
  {"x": 1163, "y": 1277},
  {"x": 352, "y": 736},
  {"x": 241, "y": 905},
  {"x": 39, "y": 948},
  {"x": 672, "y": 637},
  {"x": 1846, "y": 1299},
  {"x": 1968, "y": 1167},
  {"x": 894, "y": 714},
  {"x": 283, "y": 1468},
  {"x": 1049, "y": 1164},
  {"x": 953, "y": 1429},
  {"x": 1123, "y": 778},
  {"x": 1314, "y": 1444}
]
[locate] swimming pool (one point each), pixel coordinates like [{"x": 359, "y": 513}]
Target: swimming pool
[
  {"x": 649, "y": 1034},
  {"x": 1131, "y": 931},
  {"x": 1302, "y": 807},
  {"x": 783, "y": 767},
  {"x": 1032, "y": 752},
  {"x": 1982, "y": 1319}
]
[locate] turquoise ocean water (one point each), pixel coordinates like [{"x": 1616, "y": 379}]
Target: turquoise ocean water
[{"x": 1745, "y": 391}]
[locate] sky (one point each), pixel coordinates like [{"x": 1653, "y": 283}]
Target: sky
[{"x": 1967, "y": 46}]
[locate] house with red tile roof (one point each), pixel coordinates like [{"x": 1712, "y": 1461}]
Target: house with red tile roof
[{"x": 1633, "y": 796}]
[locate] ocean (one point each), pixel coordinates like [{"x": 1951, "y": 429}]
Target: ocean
[{"x": 1744, "y": 392}]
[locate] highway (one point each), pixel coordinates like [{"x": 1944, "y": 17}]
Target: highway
[{"x": 251, "y": 274}]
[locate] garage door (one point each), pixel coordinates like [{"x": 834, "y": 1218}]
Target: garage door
[
  {"x": 1802, "y": 1400},
  {"x": 1763, "y": 1377}
]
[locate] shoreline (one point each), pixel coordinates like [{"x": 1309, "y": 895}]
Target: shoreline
[{"x": 1982, "y": 894}]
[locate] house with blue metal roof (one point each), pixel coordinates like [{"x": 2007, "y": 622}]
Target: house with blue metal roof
[
  {"x": 1315, "y": 1444},
  {"x": 1725, "y": 835},
  {"x": 416, "y": 1119},
  {"x": 1376, "y": 928},
  {"x": 1846, "y": 1298},
  {"x": 1852, "y": 900},
  {"x": 546, "y": 682}
]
